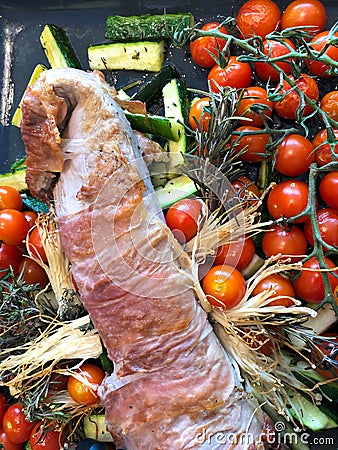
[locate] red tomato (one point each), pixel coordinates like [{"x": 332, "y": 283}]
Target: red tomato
[
  {"x": 327, "y": 348},
  {"x": 309, "y": 285},
  {"x": 202, "y": 47},
  {"x": 199, "y": 114},
  {"x": 253, "y": 105},
  {"x": 323, "y": 148},
  {"x": 44, "y": 438},
  {"x": 31, "y": 217},
  {"x": 33, "y": 273},
  {"x": 328, "y": 189},
  {"x": 243, "y": 186},
  {"x": 300, "y": 13},
  {"x": 35, "y": 245},
  {"x": 274, "y": 49},
  {"x": 318, "y": 43},
  {"x": 290, "y": 106},
  {"x": 8, "y": 444},
  {"x": 16, "y": 425},
  {"x": 297, "y": 149},
  {"x": 259, "y": 341},
  {"x": 286, "y": 241},
  {"x": 236, "y": 254},
  {"x": 182, "y": 218},
  {"x": 224, "y": 286},
  {"x": 9, "y": 256},
  {"x": 279, "y": 286},
  {"x": 10, "y": 198},
  {"x": 3, "y": 406},
  {"x": 235, "y": 74},
  {"x": 258, "y": 18},
  {"x": 253, "y": 143},
  {"x": 327, "y": 219},
  {"x": 85, "y": 391},
  {"x": 287, "y": 199},
  {"x": 13, "y": 226},
  {"x": 329, "y": 104}
]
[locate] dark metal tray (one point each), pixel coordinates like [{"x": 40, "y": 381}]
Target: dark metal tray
[{"x": 84, "y": 21}]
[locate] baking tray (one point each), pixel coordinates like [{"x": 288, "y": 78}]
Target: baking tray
[{"x": 21, "y": 24}]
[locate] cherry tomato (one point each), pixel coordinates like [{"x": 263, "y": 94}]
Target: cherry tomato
[
  {"x": 280, "y": 287},
  {"x": 202, "y": 47},
  {"x": 329, "y": 104},
  {"x": 289, "y": 106},
  {"x": 10, "y": 255},
  {"x": 285, "y": 241},
  {"x": 33, "y": 273},
  {"x": 3, "y": 406},
  {"x": 259, "y": 341},
  {"x": 253, "y": 143},
  {"x": 13, "y": 226},
  {"x": 309, "y": 285},
  {"x": 199, "y": 115},
  {"x": 236, "y": 254},
  {"x": 15, "y": 424},
  {"x": 327, "y": 348},
  {"x": 318, "y": 43},
  {"x": 300, "y": 13},
  {"x": 224, "y": 286},
  {"x": 7, "y": 443},
  {"x": 85, "y": 391},
  {"x": 253, "y": 104},
  {"x": 258, "y": 18},
  {"x": 31, "y": 217},
  {"x": 10, "y": 198},
  {"x": 287, "y": 199},
  {"x": 323, "y": 148},
  {"x": 182, "y": 219},
  {"x": 274, "y": 49},
  {"x": 235, "y": 74},
  {"x": 297, "y": 149},
  {"x": 328, "y": 189},
  {"x": 42, "y": 439},
  {"x": 243, "y": 185},
  {"x": 35, "y": 245},
  {"x": 327, "y": 219}
]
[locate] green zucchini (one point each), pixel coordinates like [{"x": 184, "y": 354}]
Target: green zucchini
[
  {"x": 127, "y": 56},
  {"x": 175, "y": 190},
  {"x": 151, "y": 91},
  {"x": 156, "y": 125},
  {"x": 16, "y": 179},
  {"x": 148, "y": 27},
  {"x": 94, "y": 427},
  {"x": 58, "y": 48}
]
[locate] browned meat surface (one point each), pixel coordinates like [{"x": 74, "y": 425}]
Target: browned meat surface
[{"x": 173, "y": 386}]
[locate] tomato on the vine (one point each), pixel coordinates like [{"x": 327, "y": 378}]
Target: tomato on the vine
[
  {"x": 275, "y": 49},
  {"x": 329, "y": 104},
  {"x": 305, "y": 13},
  {"x": 84, "y": 389},
  {"x": 199, "y": 114},
  {"x": 279, "y": 286},
  {"x": 318, "y": 43},
  {"x": 224, "y": 286},
  {"x": 309, "y": 284},
  {"x": 33, "y": 273},
  {"x": 7, "y": 443},
  {"x": 291, "y": 104},
  {"x": 10, "y": 198},
  {"x": 238, "y": 253},
  {"x": 258, "y": 18},
  {"x": 287, "y": 199},
  {"x": 44, "y": 439},
  {"x": 34, "y": 244},
  {"x": 235, "y": 74},
  {"x": 328, "y": 189},
  {"x": 31, "y": 217},
  {"x": 13, "y": 226},
  {"x": 253, "y": 105},
  {"x": 289, "y": 242},
  {"x": 10, "y": 256},
  {"x": 182, "y": 218},
  {"x": 324, "y": 152},
  {"x": 251, "y": 143},
  {"x": 327, "y": 220},
  {"x": 295, "y": 148},
  {"x": 15, "y": 424},
  {"x": 3, "y": 406},
  {"x": 245, "y": 188},
  {"x": 204, "y": 45}
]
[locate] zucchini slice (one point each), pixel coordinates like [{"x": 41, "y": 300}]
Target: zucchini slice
[
  {"x": 95, "y": 428},
  {"x": 57, "y": 47},
  {"x": 148, "y": 27},
  {"x": 127, "y": 56},
  {"x": 157, "y": 125},
  {"x": 16, "y": 179},
  {"x": 175, "y": 190}
]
